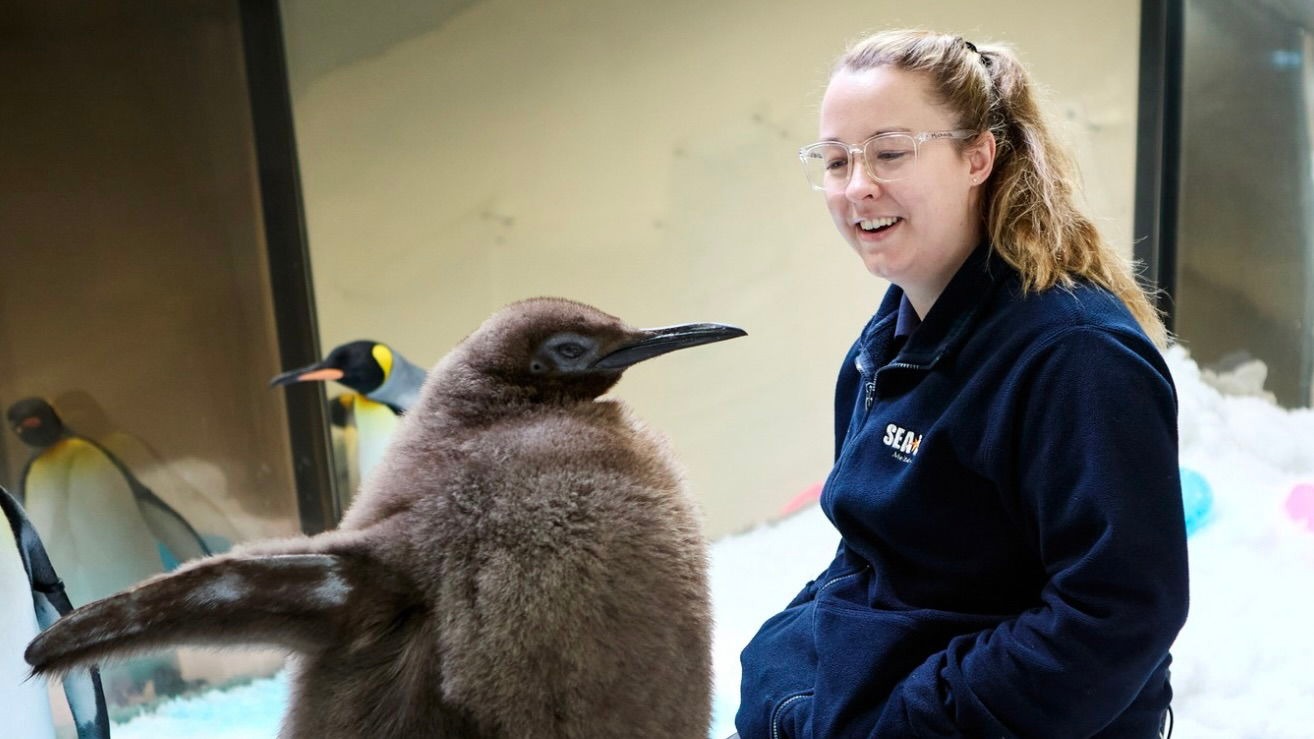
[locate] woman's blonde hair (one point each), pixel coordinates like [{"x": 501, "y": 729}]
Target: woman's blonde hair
[{"x": 1031, "y": 213}]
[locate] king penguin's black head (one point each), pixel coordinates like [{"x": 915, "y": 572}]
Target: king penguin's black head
[
  {"x": 360, "y": 365},
  {"x": 35, "y": 422},
  {"x": 552, "y": 348}
]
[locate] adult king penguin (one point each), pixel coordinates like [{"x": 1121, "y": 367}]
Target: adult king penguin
[
  {"x": 525, "y": 563},
  {"x": 370, "y": 368},
  {"x": 104, "y": 530},
  {"x": 31, "y": 598},
  {"x": 101, "y": 524},
  {"x": 384, "y": 383}
]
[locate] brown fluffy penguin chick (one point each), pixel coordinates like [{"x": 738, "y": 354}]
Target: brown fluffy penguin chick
[{"x": 523, "y": 563}]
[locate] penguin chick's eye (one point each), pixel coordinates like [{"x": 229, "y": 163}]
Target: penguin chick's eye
[{"x": 569, "y": 350}]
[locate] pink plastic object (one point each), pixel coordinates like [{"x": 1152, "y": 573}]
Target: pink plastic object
[
  {"x": 803, "y": 499},
  {"x": 1300, "y": 504}
]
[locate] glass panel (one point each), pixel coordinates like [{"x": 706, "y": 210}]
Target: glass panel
[
  {"x": 1246, "y": 239},
  {"x": 135, "y": 300}
]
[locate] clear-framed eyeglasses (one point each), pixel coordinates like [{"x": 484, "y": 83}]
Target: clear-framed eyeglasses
[{"x": 888, "y": 157}]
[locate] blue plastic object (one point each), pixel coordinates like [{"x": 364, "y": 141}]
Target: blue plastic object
[{"x": 1197, "y": 500}]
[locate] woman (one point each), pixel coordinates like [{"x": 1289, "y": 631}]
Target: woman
[{"x": 1013, "y": 551}]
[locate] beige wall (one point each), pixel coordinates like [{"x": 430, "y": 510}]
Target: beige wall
[{"x": 640, "y": 156}]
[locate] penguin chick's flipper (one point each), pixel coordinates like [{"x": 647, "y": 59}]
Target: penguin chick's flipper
[{"x": 302, "y": 602}]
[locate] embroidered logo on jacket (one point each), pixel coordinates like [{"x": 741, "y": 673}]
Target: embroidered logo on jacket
[{"x": 902, "y": 441}]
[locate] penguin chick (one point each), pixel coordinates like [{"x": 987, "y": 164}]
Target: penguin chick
[
  {"x": 525, "y": 563},
  {"x": 370, "y": 368}
]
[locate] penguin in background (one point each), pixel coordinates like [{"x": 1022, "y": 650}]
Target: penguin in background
[
  {"x": 384, "y": 385},
  {"x": 342, "y": 435},
  {"x": 526, "y": 562},
  {"x": 360, "y": 430},
  {"x": 370, "y": 368},
  {"x": 32, "y": 598},
  {"x": 103, "y": 529},
  {"x": 73, "y": 487}
]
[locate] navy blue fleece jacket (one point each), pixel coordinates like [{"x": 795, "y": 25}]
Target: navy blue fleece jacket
[{"x": 1013, "y": 551}]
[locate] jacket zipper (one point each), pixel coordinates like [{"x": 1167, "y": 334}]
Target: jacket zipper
[
  {"x": 832, "y": 581},
  {"x": 775, "y": 715},
  {"x": 870, "y": 385}
]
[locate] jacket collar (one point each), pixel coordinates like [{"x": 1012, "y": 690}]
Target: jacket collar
[{"x": 946, "y": 326}]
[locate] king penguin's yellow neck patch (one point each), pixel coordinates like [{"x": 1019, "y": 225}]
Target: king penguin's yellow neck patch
[{"x": 383, "y": 355}]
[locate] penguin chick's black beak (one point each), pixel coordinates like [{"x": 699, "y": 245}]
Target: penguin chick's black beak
[
  {"x": 316, "y": 371},
  {"x": 654, "y": 342}
]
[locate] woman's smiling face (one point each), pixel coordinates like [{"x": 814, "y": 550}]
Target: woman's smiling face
[{"x": 920, "y": 228}]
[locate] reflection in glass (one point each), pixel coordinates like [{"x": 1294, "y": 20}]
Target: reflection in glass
[
  {"x": 135, "y": 301},
  {"x": 1246, "y": 246}
]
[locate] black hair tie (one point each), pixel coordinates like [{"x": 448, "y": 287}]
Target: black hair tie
[{"x": 984, "y": 59}]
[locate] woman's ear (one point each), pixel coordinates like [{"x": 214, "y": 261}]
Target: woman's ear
[{"x": 980, "y": 155}]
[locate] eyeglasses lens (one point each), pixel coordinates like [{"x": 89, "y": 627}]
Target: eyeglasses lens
[{"x": 888, "y": 158}]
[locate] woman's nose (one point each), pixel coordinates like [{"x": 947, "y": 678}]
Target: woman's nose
[{"x": 861, "y": 185}]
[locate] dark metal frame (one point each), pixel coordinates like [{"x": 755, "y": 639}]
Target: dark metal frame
[
  {"x": 289, "y": 259},
  {"x": 1158, "y": 148}
]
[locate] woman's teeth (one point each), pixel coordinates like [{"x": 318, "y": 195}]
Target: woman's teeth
[{"x": 876, "y": 224}]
